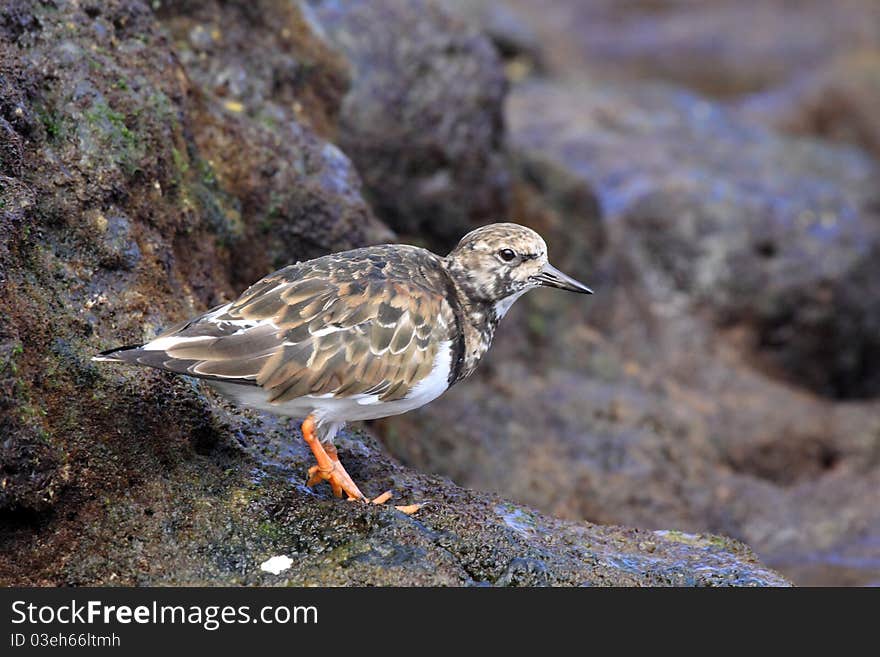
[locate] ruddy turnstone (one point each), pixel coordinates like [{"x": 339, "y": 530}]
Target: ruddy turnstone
[{"x": 358, "y": 335}]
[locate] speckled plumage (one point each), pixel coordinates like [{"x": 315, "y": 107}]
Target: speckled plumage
[
  {"x": 360, "y": 334},
  {"x": 362, "y": 321}
]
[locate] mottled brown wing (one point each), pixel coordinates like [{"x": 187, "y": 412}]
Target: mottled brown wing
[{"x": 364, "y": 322}]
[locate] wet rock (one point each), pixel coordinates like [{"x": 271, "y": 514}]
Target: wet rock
[
  {"x": 422, "y": 121},
  {"x": 30, "y": 465},
  {"x": 30, "y": 471},
  {"x": 770, "y": 233},
  {"x": 114, "y": 223},
  {"x": 120, "y": 249},
  {"x": 88, "y": 233},
  {"x": 290, "y": 194},
  {"x": 166, "y": 532},
  {"x": 726, "y": 452},
  {"x": 577, "y": 447}
]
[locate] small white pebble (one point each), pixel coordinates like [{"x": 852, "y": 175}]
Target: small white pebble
[
  {"x": 277, "y": 564},
  {"x": 94, "y": 301}
]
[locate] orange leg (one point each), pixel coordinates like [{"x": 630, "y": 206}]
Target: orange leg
[{"x": 329, "y": 467}]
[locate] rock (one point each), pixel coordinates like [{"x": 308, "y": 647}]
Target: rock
[
  {"x": 291, "y": 194},
  {"x": 134, "y": 195},
  {"x": 217, "y": 520},
  {"x": 87, "y": 232},
  {"x": 113, "y": 224},
  {"x": 836, "y": 102},
  {"x": 577, "y": 447},
  {"x": 271, "y": 88},
  {"x": 31, "y": 472},
  {"x": 770, "y": 233},
  {"x": 269, "y": 58},
  {"x": 713, "y": 47},
  {"x": 509, "y": 31},
  {"x": 727, "y": 452},
  {"x": 658, "y": 403},
  {"x": 422, "y": 121}
]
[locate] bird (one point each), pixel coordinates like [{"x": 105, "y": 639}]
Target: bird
[{"x": 356, "y": 335}]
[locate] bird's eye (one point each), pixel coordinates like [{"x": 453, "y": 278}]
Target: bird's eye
[{"x": 507, "y": 254}]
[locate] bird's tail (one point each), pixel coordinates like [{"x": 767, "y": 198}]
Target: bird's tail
[{"x": 118, "y": 354}]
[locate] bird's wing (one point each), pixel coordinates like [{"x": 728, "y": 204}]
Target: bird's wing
[{"x": 348, "y": 330}]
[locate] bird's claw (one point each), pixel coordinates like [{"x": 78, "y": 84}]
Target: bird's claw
[{"x": 338, "y": 478}]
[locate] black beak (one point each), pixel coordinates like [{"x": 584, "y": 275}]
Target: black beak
[{"x": 552, "y": 277}]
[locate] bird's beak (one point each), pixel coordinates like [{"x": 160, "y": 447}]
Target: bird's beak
[{"x": 552, "y": 277}]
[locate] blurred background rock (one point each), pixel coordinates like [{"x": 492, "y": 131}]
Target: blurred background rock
[
  {"x": 726, "y": 376},
  {"x": 709, "y": 168}
]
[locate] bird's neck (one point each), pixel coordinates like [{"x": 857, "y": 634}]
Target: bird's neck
[
  {"x": 477, "y": 321},
  {"x": 479, "y": 330}
]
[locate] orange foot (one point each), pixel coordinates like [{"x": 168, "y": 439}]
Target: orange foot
[{"x": 330, "y": 469}]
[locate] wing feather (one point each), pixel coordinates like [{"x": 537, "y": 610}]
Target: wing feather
[{"x": 362, "y": 322}]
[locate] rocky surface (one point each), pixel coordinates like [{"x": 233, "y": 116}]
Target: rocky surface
[
  {"x": 721, "y": 48},
  {"x": 787, "y": 475},
  {"x": 716, "y": 185},
  {"x": 212, "y": 518},
  {"x": 269, "y": 90},
  {"x": 152, "y": 164},
  {"x": 422, "y": 121},
  {"x": 835, "y": 102},
  {"x": 775, "y": 235},
  {"x": 723, "y": 378}
]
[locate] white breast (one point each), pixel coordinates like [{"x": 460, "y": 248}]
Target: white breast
[{"x": 436, "y": 383}]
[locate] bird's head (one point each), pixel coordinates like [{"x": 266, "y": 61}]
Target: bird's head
[{"x": 495, "y": 264}]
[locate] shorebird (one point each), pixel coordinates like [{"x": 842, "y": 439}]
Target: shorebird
[{"x": 357, "y": 335}]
